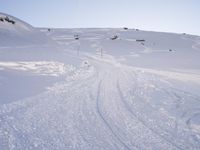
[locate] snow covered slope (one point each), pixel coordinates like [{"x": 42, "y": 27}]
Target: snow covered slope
[
  {"x": 100, "y": 89},
  {"x": 14, "y": 32}
]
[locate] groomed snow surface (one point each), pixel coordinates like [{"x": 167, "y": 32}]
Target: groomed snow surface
[{"x": 98, "y": 93}]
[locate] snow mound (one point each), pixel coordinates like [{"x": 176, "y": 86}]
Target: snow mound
[
  {"x": 13, "y": 24},
  {"x": 14, "y": 32},
  {"x": 38, "y": 67}
]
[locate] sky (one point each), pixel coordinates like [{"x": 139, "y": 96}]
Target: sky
[{"x": 179, "y": 16}]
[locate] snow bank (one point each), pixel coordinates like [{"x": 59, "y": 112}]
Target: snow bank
[{"x": 39, "y": 67}]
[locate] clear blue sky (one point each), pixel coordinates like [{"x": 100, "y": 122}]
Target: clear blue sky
[{"x": 157, "y": 15}]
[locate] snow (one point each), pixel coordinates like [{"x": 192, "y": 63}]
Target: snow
[
  {"x": 57, "y": 92},
  {"x": 41, "y": 68},
  {"x": 16, "y": 34}
]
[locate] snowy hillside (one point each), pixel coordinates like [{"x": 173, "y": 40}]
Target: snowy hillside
[
  {"x": 98, "y": 89},
  {"x": 14, "y": 32}
]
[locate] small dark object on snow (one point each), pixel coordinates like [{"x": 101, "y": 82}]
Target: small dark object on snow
[
  {"x": 125, "y": 28},
  {"x": 137, "y": 29},
  {"x": 1, "y": 19},
  {"x": 49, "y": 30},
  {"x": 76, "y": 37},
  {"x": 114, "y": 37},
  {"x": 13, "y": 22},
  {"x": 8, "y": 20},
  {"x": 170, "y": 50},
  {"x": 142, "y": 40},
  {"x": 184, "y": 33}
]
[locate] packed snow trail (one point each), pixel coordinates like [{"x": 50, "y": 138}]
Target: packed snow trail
[
  {"x": 57, "y": 92},
  {"x": 102, "y": 106}
]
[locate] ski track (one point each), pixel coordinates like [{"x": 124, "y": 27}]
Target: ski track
[
  {"x": 106, "y": 105},
  {"x": 104, "y": 119},
  {"x": 140, "y": 120},
  {"x": 78, "y": 96},
  {"x": 178, "y": 99}
]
